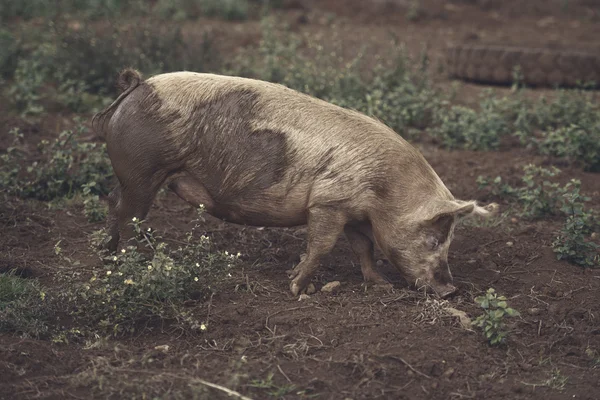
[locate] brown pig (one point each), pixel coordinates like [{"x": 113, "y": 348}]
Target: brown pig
[{"x": 258, "y": 153}]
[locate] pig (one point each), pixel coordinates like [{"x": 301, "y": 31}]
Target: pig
[{"x": 261, "y": 154}]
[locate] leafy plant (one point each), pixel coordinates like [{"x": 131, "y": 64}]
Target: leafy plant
[
  {"x": 539, "y": 195},
  {"x": 138, "y": 286},
  {"x": 25, "y": 90},
  {"x": 579, "y": 143},
  {"x": 574, "y": 242},
  {"x": 64, "y": 167},
  {"x": 93, "y": 209},
  {"x": 492, "y": 321},
  {"x": 22, "y": 306},
  {"x": 9, "y": 52},
  {"x": 462, "y": 127}
]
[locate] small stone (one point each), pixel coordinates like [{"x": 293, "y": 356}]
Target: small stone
[
  {"x": 303, "y": 296},
  {"x": 534, "y": 311},
  {"x": 163, "y": 347},
  {"x": 448, "y": 373},
  {"x": 594, "y": 235},
  {"x": 509, "y": 244},
  {"x": 331, "y": 287},
  {"x": 514, "y": 220},
  {"x": 310, "y": 289}
]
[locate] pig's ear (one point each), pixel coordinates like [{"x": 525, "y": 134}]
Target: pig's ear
[{"x": 448, "y": 209}]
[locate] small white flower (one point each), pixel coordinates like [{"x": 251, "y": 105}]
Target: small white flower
[
  {"x": 123, "y": 251},
  {"x": 168, "y": 267},
  {"x": 120, "y": 273},
  {"x": 115, "y": 258},
  {"x": 239, "y": 254},
  {"x": 202, "y": 327},
  {"x": 196, "y": 279},
  {"x": 149, "y": 229},
  {"x": 134, "y": 219},
  {"x": 197, "y": 264},
  {"x": 226, "y": 253},
  {"x": 229, "y": 275},
  {"x": 128, "y": 281},
  {"x": 108, "y": 272},
  {"x": 149, "y": 267}
]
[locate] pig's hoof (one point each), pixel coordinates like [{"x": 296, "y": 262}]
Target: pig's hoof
[
  {"x": 298, "y": 289},
  {"x": 295, "y": 288},
  {"x": 292, "y": 273}
]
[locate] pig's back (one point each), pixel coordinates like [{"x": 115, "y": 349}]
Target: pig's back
[{"x": 275, "y": 141}]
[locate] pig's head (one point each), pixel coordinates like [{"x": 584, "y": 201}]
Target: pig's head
[{"x": 421, "y": 250}]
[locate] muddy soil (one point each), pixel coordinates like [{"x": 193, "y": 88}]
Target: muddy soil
[{"x": 359, "y": 343}]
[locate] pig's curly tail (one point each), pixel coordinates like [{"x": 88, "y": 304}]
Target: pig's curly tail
[{"x": 128, "y": 80}]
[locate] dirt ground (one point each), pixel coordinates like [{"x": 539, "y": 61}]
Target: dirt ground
[{"x": 358, "y": 343}]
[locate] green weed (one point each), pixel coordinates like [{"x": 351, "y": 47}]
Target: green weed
[
  {"x": 574, "y": 242},
  {"x": 540, "y": 196},
  {"x": 492, "y": 321},
  {"x": 63, "y": 167},
  {"x": 134, "y": 287},
  {"x": 22, "y": 306}
]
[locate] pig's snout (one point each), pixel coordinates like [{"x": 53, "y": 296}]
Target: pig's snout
[
  {"x": 439, "y": 280},
  {"x": 446, "y": 291}
]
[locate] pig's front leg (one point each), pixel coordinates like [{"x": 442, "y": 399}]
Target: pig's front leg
[
  {"x": 324, "y": 227},
  {"x": 364, "y": 249}
]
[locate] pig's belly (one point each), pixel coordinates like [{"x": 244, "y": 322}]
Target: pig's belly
[{"x": 269, "y": 207}]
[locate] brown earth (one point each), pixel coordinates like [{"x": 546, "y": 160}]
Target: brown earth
[{"x": 359, "y": 343}]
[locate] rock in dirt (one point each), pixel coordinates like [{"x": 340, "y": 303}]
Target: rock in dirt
[
  {"x": 310, "y": 289},
  {"x": 163, "y": 347},
  {"x": 331, "y": 287},
  {"x": 448, "y": 373},
  {"x": 465, "y": 321},
  {"x": 303, "y": 296}
]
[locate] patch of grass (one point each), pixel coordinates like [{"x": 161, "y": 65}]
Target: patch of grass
[
  {"x": 93, "y": 209},
  {"x": 74, "y": 66},
  {"x": 9, "y": 54},
  {"x": 574, "y": 242},
  {"x": 134, "y": 287},
  {"x": 492, "y": 321},
  {"x": 540, "y": 197},
  {"x": 578, "y": 143},
  {"x": 463, "y": 127},
  {"x": 64, "y": 167},
  {"x": 22, "y": 306}
]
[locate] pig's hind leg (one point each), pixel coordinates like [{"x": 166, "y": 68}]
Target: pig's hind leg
[
  {"x": 363, "y": 248},
  {"x": 129, "y": 201},
  {"x": 192, "y": 191},
  {"x": 325, "y": 225}
]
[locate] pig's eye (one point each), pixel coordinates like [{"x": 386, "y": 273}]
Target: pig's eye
[{"x": 432, "y": 242}]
